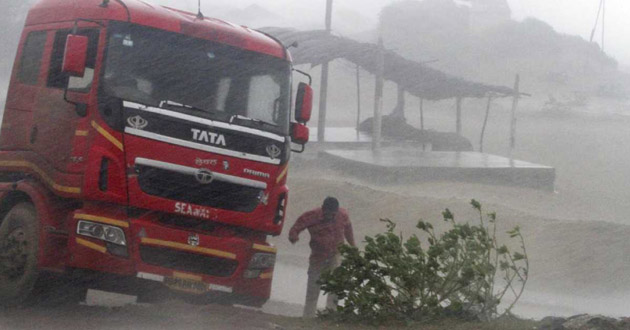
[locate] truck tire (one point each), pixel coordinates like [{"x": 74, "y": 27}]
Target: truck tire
[{"x": 19, "y": 241}]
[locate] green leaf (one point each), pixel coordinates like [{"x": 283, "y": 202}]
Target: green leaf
[
  {"x": 421, "y": 225},
  {"x": 518, "y": 256},
  {"x": 448, "y": 215},
  {"x": 475, "y": 204},
  {"x": 492, "y": 216}
]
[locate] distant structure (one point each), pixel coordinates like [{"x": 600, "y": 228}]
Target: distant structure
[{"x": 485, "y": 14}]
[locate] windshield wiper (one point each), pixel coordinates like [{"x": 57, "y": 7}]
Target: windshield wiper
[
  {"x": 205, "y": 113},
  {"x": 258, "y": 122},
  {"x": 180, "y": 105}
]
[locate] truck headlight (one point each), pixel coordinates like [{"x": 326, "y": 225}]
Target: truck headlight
[
  {"x": 262, "y": 261},
  {"x": 103, "y": 232}
]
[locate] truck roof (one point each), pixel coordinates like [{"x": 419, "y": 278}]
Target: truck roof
[{"x": 165, "y": 18}]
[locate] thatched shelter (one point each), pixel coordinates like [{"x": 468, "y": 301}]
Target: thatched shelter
[{"x": 318, "y": 46}]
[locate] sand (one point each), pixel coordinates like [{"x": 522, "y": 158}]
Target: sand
[{"x": 577, "y": 236}]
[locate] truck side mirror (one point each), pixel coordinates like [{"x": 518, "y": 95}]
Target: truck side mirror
[
  {"x": 299, "y": 133},
  {"x": 75, "y": 55},
  {"x": 304, "y": 104}
]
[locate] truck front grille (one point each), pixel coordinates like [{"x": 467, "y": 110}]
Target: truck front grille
[
  {"x": 187, "y": 262},
  {"x": 185, "y": 188}
]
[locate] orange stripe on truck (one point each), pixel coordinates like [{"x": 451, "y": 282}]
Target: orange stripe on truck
[
  {"x": 186, "y": 247},
  {"x": 42, "y": 174},
  {"x": 107, "y": 135},
  {"x": 91, "y": 245}
]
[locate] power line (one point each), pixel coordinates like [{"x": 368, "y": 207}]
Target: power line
[{"x": 601, "y": 11}]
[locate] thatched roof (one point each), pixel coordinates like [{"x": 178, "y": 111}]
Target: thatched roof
[{"x": 316, "y": 47}]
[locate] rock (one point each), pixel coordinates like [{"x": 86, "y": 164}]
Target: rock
[
  {"x": 395, "y": 128},
  {"x": 552, "y": 323},
  {"x": 591, "y": 322}
]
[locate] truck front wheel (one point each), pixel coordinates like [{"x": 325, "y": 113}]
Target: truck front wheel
[{"x": 19, "y": 242}]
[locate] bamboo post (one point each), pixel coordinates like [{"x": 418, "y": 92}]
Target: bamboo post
[
  {"x": 517, "y": 81},
  {"x": 358, "y": 99},
  {"x": 378, "y": 97},
  {"x": 603, "y": 22},
  {"x": 329, "y": 4},
  {"x": 485, "y": 122},
  {"x": 422, "y": 114},
  {"x": 400, "y": 105},
  {"x": 323, "y": 99},
  {"x": 323, "y": 92},
  {"x": 458, "y": 119}
]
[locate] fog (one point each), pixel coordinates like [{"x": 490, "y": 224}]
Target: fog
[
  {"x": 574, "y": 119},
  {"x": 575, "y": 17}
]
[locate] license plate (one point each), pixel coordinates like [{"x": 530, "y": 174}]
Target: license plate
[{"x": 185, "y": 285}]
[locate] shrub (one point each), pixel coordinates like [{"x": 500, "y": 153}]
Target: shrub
[{"x": 463, "y": 272}]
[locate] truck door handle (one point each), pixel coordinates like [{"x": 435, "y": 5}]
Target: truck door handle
[{"x": 33, "y": 137}]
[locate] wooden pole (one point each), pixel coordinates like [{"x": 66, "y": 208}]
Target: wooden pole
[
  {"x": 323, "y": 99},
  {"x": 422, "y": 123},
  {"x": 421, "y": 114},
  {"x": 599, "y": 10},
  {"x": 400, "y": 105},
  {"x": 378, "y": 97},
  {"x": 358, "y": 99},
  {"x": 458, "y": 119},
  {"x": 323, "y": 92},
  {"x": 329, "y": 5},
  {"x": 485, "y": 122},
  {"x": 603, "y": 22},
  {"x": 517, "y": 82}
]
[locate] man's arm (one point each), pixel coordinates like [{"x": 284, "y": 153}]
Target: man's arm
[
  {"x": 348, "y": 233},
  {"x": 302, "y": 223}
]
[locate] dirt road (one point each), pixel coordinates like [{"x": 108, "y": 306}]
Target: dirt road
[
  {"x": 576, "y": 266},
  {"x": 169, "y": 315}
]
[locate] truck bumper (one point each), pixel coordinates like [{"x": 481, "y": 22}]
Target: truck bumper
[{"x": 185, "y": 261}]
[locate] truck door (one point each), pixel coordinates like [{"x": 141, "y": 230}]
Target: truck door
[
  {"x": 56, "y": 133},
  {"x": 25, "y": 86}
]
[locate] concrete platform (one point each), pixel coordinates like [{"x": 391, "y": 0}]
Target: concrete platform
[
  {"x": 340, "y": 134},
  {"x": 399, "y": 165},
  {"x": 349, "y": 137}
]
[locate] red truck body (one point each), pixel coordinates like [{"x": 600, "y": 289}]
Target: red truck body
[{"x": 176, "y": 136}]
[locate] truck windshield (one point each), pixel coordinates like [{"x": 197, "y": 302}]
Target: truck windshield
[{"x": 198, "y": 77}]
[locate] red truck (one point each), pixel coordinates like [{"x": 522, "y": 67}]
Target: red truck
[{"x": 143, "y": 147}]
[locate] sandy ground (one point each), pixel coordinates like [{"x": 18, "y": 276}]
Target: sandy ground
[
  {"x": 175, "y": 315},
  {"x": 572, "y": 270},
  {"x": 576, "y": 266},
  {"x": 577, "y": 236},
  {"x": 170, "y": 315}
]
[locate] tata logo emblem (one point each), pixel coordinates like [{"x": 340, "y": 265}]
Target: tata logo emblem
[
  {"x": 204, "y": 176},
  {"x": 137, "y": 122},
  {"x": 263, "y": 198},
  {"x": 208, "y": 137},
  {"x": 273, "y": 151},
  {"x": 193, "y": 240}
]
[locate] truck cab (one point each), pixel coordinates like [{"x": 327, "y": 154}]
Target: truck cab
[{"x": 146, "y": 144}]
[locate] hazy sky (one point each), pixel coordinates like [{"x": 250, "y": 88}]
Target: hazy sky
[{"x": 568, "y": 16}]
